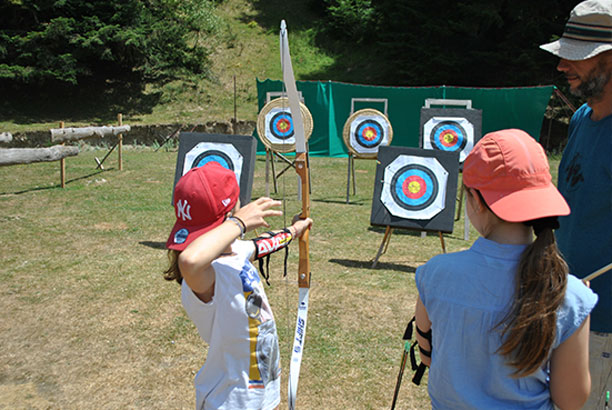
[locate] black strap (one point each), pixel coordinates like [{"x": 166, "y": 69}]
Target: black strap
[
  {"x": 424, "y": 335},
  {"x": 419, "y": 369}
]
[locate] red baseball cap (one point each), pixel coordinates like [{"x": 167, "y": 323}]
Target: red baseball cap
[
  {"x": 202, "y": 199},
  {"x": 510, "y": 169}
]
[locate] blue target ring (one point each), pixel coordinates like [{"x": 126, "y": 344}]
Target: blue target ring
[
  {"x": 414, "y": 187},
  {"x": 369, "y": 133},
  {"x": 281, "y": 125},
  {"x": 448, "y": 136},
  {"x": 213, "y": 156}
]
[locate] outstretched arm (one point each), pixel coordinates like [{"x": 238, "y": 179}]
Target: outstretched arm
[{"x": 195, "y": 261}]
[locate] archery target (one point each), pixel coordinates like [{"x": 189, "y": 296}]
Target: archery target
[
  {"x": 441, "y": 130},
  {"x": 234, "y": 152},
  {"x": 415, "y": 189},
  {"x": 365, "y": 131},
  {"x": 224, "y": 154},
  {"x": 275, "y": 125}
]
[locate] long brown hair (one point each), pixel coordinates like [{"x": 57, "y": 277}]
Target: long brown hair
[
  {"x": 173, "y": 272},
  {"x": 529, "y": 328}
]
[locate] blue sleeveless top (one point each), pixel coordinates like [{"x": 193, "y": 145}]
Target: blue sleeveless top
[{"x": 466, "y": 295}]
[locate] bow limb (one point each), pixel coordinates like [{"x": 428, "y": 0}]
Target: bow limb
[{"x": 301, "y": 166}]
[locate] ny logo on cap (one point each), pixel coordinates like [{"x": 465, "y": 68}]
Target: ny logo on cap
[
  {"x": 226, "y": 201},
  {"x": 182, "y": 210}
]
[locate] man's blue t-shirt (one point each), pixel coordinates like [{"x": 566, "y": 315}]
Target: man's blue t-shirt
[{"x": 585, "y": 180}]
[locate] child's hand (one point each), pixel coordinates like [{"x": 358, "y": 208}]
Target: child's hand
[
  {"x": 301, "y": 225},
  {"x": 253, "y": 213}
]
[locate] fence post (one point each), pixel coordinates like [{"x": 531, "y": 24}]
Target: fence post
[
  {"x": 120, "y": 142},
  {"x": 62, "y": 164}
]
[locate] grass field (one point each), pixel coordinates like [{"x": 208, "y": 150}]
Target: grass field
[{"x": 88, "y": 322}]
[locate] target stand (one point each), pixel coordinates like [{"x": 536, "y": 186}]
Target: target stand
[
  {"x": 414, "y": 189},
  {"x": 455, "y": 129},
  {"x": 275, "y": 130},
  {"x": 365, "y": 131}
]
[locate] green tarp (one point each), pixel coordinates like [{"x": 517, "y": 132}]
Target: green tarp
[{"x": 330, "y": 106}]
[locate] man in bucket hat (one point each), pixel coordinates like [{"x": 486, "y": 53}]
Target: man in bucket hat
[{"x": 585, "y": 172}]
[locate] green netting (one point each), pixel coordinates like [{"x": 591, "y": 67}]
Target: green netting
[{"x": 330, "y": 106}]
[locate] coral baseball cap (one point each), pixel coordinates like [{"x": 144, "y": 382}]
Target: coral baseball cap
[
  {"x": 588, "y": 32},
  {"x": 202, "y": 199},
  {"x": 510, "y": 169}
]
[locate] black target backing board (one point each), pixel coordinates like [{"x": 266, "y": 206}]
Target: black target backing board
[
  {"x": 235, "y": 152},
  {"x": 403, "y": 163},
  {"x": 461, "y": 122}
]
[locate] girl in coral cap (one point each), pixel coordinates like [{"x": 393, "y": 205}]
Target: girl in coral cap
[
  {"x": 221, "y": 290},
  {"x": 503, "y": 325}
]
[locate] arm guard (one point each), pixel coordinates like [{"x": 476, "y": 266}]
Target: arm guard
[
  {"x": 265, "y": 246},
  {"x": 419, "y": 368}
]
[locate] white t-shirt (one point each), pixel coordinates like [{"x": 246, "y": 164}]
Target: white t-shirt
[{"x": 242, "y": 369}]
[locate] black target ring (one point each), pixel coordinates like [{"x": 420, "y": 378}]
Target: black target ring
[
  {"x": 213, "y": 156},
  {"x": 426, "y": 175}
]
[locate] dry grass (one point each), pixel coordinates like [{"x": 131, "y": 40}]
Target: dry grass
[{"x": 88, "y": 322}]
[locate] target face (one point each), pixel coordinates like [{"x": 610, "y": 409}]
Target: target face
[
  {"x": 213, "y": 156},
  {"x": 365, "y": 131},
  {"x": 369, "y": 133},
  {"x": 224, "y": 154},
  {"x": 282, "y": 125},
  {"x": 275, "y": 126},
  {"x": 414, "y": 187},
  {"x": 452, "y": 134}
]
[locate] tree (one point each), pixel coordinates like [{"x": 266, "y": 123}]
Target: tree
[
  {"x": 99, "y": 41},
  {"x": 452, "y": 42}
]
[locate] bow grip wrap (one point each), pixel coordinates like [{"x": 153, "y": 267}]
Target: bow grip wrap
[{"x": 301, "y": 166}]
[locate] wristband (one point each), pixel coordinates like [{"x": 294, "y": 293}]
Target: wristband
[{"x": 239, "y": 224}]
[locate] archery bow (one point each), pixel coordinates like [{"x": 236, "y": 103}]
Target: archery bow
[{"x": 301, "y": 167}]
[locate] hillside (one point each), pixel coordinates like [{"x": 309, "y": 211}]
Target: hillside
[{"x": 245, "y": 49}]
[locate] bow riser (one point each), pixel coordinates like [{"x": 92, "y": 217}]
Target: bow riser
[{"x": 301, "y": 166}]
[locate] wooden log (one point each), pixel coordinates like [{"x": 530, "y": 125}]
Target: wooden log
[
  {"x": 6, "y": 137},
  {"x": 14, "y": 156},
  {"x": 72, "y": 134}
]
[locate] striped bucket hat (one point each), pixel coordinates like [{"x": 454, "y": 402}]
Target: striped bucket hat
[{"x": 588, "y": 32}]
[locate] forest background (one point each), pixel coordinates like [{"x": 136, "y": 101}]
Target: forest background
[{"x": 192, "y": 61}]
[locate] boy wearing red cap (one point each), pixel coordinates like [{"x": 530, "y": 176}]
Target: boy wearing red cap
[
  {"x": 221, "y": 290},
  {"x": 503, "y": 325}
]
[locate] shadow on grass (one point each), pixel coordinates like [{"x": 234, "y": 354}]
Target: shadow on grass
[
  {"x": 342, "y": 202},
  {"x": 398, "y": 231},
  {"x": 349, "y": 263},
  {"x": 153, "y": 244},
  {"x": 56, "y": 186}
]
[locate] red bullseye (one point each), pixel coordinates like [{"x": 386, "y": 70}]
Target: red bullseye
[
  {"x": 449, "y": 138},
  {"x": 369, "y": 134},
  {"x": 283, "y": 125},
  {"x": 414, "y": 187}
]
